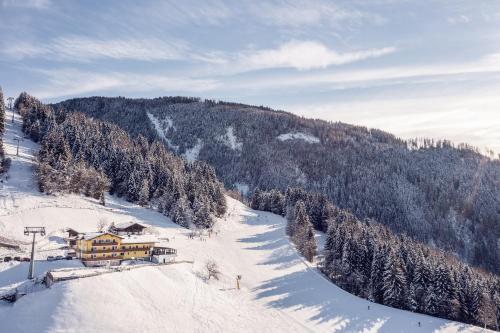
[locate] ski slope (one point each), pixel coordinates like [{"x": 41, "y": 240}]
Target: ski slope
[{"x": 279, "y": 291}]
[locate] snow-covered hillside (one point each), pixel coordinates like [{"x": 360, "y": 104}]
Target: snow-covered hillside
[
  {"x": 280, "y": 292},
  {"x": 298, "y": 136}
]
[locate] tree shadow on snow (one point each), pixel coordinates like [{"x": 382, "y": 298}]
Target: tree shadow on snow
[{"x": 305, "y": 288}]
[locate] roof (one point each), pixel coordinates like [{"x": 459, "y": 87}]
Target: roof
[
  {"x": 133, "y": 239},
  {"x": 92, "y": 235},
  {"x": 125, "y": 225}
]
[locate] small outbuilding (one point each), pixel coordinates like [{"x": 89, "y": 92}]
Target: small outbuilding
[
  {"x": 127, "y": 228},
  {"x": 163, "y": 255}
]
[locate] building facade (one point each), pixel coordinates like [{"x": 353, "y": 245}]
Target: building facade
[{"x": 105, "y": 248}]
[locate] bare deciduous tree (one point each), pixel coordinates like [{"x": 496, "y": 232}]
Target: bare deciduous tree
[
  {"x": 101, "y": 225},
  {"x": 212, "y": 269}
]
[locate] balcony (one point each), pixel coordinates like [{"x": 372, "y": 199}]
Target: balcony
[
  {"x": 101, "y": 258},
  {"x": 101, "y": 251},
  {"x": 94, "y": 243}
]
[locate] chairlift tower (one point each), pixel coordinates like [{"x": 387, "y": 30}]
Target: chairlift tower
[
  {"x": 18, "y": 139},
  {"x": 11, "y": 99},
  {"x": 34, "y": 231}
]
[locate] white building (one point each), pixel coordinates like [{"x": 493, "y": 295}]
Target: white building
[{"x": 163, "y": 255}]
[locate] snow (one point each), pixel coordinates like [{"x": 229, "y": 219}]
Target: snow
[
  {"x": 191, "y": 155},
  {"x": 230, "y": 139},
  {"x": 92, "y": 235},
  {"x": 126, "y": 225},
  {"x": 299, "y": 136},
  {"x": 139, "y": 239},
  {"x": 242, "y": 187},
  {"x": 280, "y": 292},
  {"x": 162, "y": 126}
]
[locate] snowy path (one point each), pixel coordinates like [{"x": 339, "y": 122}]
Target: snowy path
[{"x": 279, "y": 291}]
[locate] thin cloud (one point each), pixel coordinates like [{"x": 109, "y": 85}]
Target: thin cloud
[
  {"x": 338, "y": 78},
  {"x": 37, "y": 4},
  {"x": 304, "y": 55},
  {"x": 71, "y": 82},
  {"x": 300, "y": 13},
  {"x": 78, "y": 48}
]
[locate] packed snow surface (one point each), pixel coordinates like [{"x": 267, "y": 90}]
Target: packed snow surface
[
  {"x": 192, "y": 154},
  {"x": 279, "y": 291},
  {"x": 242, "y": 187},
  {"x": 230, "y": 139},
  {"x": 162, "y": 126},
  {"x": 298, "y": 136}
]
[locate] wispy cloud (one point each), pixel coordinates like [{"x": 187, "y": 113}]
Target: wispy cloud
[
  {"x": 71, "y": 82},
  {"x": 305, "y": 55},
  {"x": 339, "y": 78},
  {"x": 295, "y": 13},
  {"x": 78, "y": 48},
  {"x": 38, "y": 4},
  {"x": 458, "y": 19},
  {"x": 301, "y": 55}
]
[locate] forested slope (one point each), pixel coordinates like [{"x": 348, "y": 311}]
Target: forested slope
[
  {"x": 432, "y": 191},
  {"x": 79, "y": 154}
]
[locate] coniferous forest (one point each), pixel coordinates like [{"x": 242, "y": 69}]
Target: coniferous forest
[
  {"x": 399, "y": 216},
  {"x": 82, "y": 155},
  {"x": 432, "y": 191},
  {"x": 367, "y": 259},
  {"x": 3, "y": 163}
]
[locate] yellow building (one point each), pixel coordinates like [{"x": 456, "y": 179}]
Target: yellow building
[{"x": 105, "y": 248}]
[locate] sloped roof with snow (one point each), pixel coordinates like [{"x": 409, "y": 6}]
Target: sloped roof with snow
[
  {"x": 92, "y": 235},
  {"x": 125, "y": 225},
  {"x": 133, "y": 239}
]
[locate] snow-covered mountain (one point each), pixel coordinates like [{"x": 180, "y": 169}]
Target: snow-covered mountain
[
  {"x": 438, "y": 194},
  {"x": 280, "y": 292}
]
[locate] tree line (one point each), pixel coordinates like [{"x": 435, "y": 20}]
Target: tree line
[
  {"x": 79, "y": 154},
  {"x": 369, "y": 260},
  {"x": 2, "y": 131}
]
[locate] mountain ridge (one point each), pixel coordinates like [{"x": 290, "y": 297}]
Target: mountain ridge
[{"x": 433, "y": 191}]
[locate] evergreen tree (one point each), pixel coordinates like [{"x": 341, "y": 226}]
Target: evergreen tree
[
  {"x": 411, "y": 300},
  {"x": 469, "y": 298},
  {"x": 394, "y": 282},
  {"x": 377, "y": 275}
]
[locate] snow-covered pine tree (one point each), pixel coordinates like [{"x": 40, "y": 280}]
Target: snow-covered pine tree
[
  {"x": 299, "y": 216},
  {"x": 469, "y": 297},
  {"x": 411, "y": 300},
  {"x": 394, "y": 282},
  {"x": 376, "y": 285},
  {"x": 2, "y": 130},
  {"x": 431, "y": 302},
  {"x": 443, "y": 287},
  {"x": 302, "y": 232},
  {"x": 201, "y": 215},
  {"x": 309, "y": 247},
  {"x": 2, "y": 114}
]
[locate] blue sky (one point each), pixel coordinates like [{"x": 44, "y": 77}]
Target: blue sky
[{"x": 414, "y": 68}]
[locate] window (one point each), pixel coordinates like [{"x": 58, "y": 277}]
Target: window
[
  {"x": 122, "y": 254},
  {"x": 146, "y": 252},
  {"x": 123, "y": 247}
]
